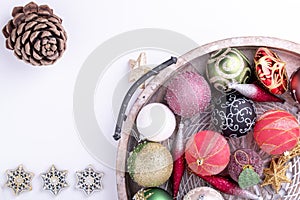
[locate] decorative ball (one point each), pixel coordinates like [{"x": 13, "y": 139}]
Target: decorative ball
[
  {"x": 187, "y": 94},
  {"x": 203, "y": 193},
  {"x": 276, "y": 131},
  {"x": 242, "y": 157},
  {"x": 228, "y": 66},
  {"x": 35, "y": 34},
  {"x": 207, "y": 153},
  {"x": 270, "y": 70},
  {"x": 155, "y": 122},
  {"x": 153, "y": 193},
  {"x": 295, "y": 85},
  {"x": 233, "y": 115},
  {"x": 150, "y": 164}
]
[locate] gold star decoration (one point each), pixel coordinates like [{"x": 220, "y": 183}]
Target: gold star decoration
[
  {"x": 19, "y": 180},
  {"x": 138, "y": 68},
  {"x": 276, "y": 173}
]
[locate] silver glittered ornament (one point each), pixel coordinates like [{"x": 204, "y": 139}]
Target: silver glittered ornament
[
  {"x": 19, "y": 180},
  {"x": 54, "y": 180},
  {"x": 89, "y": 180}
]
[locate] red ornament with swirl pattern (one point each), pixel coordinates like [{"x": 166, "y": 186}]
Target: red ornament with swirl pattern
[{"x": 270, "y": 71}]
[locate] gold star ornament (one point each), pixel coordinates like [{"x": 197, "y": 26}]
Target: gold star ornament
[
  {"x": 275, "y": 175},
  {"x": 19, "y": 180},
  {"x": 138, "y": 68}
]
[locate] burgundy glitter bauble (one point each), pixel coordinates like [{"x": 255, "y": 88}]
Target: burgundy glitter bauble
[
  {"x": 295, "y": 85},
  {"x": 187, "y": 94},
  {"x": 242, "y": 157}
]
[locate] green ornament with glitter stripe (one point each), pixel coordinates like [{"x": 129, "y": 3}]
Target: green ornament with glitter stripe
[
  {"x": 226, "y": 66},
  {"x": 248, "y": 177}
]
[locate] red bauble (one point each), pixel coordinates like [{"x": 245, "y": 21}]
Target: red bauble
[
  {"x": 295, "y": 85},
  {"x": 271, "y": 71},
  {"x": 207, "y": 153},
  {"x": 276, "y": 131}
]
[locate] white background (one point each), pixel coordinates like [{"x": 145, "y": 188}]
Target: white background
[{"x": 37, "y": 128}]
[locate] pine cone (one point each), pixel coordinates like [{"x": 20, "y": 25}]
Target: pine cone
[{"x": 35, "y": 34}]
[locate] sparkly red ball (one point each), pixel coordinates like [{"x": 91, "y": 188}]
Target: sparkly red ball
[
  {"x": 207, "y": 153},
  {"x": 276, "y": 131},
  {"x": 187, "y": 94}
]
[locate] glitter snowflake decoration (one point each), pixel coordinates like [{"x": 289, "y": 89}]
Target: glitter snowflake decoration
[
  {"x": 89, "y": 180},
  {"x": 19, "y": 180},
  {"x": 54, "y": 180}
]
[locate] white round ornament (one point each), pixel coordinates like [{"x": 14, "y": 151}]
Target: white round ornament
[
  {"x": 203, "y": 193},
  {"x": 155, "y": 122}
]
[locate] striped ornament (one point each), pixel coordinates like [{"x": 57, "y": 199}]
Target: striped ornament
[
  {"x": 207, "y": 153},
  {"x": 276, "y": 131}
]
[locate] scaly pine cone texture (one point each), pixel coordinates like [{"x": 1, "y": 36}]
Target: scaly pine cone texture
[{"x": 35, "y": 34}]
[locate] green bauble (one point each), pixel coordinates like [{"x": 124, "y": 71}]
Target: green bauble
[
  {"x": 152, "y": 194},
  {"x": 228, "y": 66},
  {"x": 150, "y": 164}
]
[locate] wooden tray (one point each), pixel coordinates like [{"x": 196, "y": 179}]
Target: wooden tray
[{"x": 197, "y": 59}]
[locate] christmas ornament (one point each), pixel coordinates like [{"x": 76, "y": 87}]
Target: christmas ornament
[
  {"x": 276, "y": 173},
  {"x": 19, "y": 180},
  {"x": 138, "y": 68},
  {"x": 228, "y": 187},
  {"x": 295, "y": 85},
  {"x": 233, "y": 115},
  {"x": 187, "y": 94},
  {"x": 54, "y": 180},
  {"x": 35, "y": 34},
  {"x": 228, "y": 66},
  {"x": 203, "y": 193},
  {"x": 150, "y": 164},
  {"x": 207, "y": 153},
  {"x": 89, "y": 180},
  {"x": 245, "y": 167},
  {"x": 276, "y": 131},
  {"x": 255, "y": 92},
  {"x": 153, "y": 193},
  {"x": 155, "y": 122},
  {"x": 270, "y": 70},
  {"x": 178, "y": 157}
]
